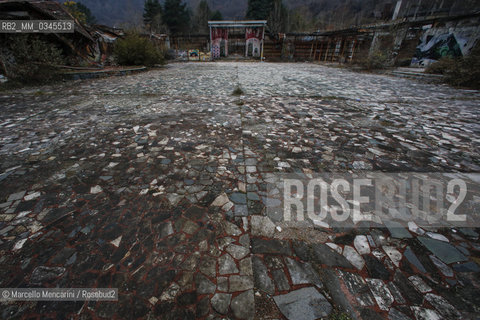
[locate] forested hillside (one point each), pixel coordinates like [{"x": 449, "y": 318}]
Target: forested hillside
[{"x": 303, "y": 15}]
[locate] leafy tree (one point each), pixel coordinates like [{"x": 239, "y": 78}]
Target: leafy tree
[
  {"x": 202, "y": 15},
  {"x": 136, "y": 50},
  {"x": 259, "y": 9},
  {"x": 176, "y": 16},
  {"x": 152, "y": 15},
  {"x": 31, "y": 59},
  {"x": 278, "y": 17},
  {"x": 91, "y": 19},
  {"x": 73, "y": 9},
  {"x": 272, "y": 10},
  {"x": 217, "y": 15},
  {"x": 80, "y": 12},
  {"x": 300, "y": 20}
]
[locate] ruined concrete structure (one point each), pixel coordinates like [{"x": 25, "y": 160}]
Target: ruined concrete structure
[
  {"x": 417, "y": 42},
  {"x": 80, "y": 42},
  {"x": 93, "y": 44},
  {"x": 248, "y": 37}
]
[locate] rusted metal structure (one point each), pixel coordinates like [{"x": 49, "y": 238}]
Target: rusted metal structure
[{"x": 253, "y": 41}]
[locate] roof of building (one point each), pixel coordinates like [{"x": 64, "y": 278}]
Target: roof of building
[
  {"x": 237, "y": 23},
  {"x": 49, "y": 10}
]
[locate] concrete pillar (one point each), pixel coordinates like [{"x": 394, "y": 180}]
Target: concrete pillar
[{"x": 397, "y": 10}]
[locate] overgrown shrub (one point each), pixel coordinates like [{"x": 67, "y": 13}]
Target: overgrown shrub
[
  {"x": 29, "y": 59},
  {"x": 442, "y": 66},
  {"x": 378, "y": 60},
  {"x": 462, "y": 72},
  {"x": 238, "y": 91},
  {"x": 403, "y": 62},
  {"x": 135, "y": 50}
]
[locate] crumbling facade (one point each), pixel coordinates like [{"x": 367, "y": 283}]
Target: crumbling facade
[
  {"x": 253, "y": 43},
  {"x": 87, "y": 44},
  {"x": 417, "y": 42}
]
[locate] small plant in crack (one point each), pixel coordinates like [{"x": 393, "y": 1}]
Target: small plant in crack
[{"x": 238, "y": 91}]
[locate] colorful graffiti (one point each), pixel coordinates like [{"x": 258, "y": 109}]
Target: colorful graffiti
[
  {"x": 219, "y": 42},
  {"x": 434, "y": 47},
  {"x": 194, "y": 55},
  {"x": 254, "y": 37}
]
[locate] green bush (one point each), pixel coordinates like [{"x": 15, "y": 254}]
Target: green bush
[
  {"x": 32, "y": 60},
  {"x": 463, "y": 72},
  {"x": 135, "y": 50},
  {"x": 378, "y": 60}
]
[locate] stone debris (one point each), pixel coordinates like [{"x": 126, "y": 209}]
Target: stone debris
[
  {"x": 397, "y": 230},
  {"x": 221, "y": 302},
  {"x": 96, "y": 189},
  {"x": 32, "y": 196},
  {"x": 444, "y": 251},
  {"x": 361, "y": 244},
  {"x": 354, "y": 258},
  {"x": 393, "y": 254},
  {"x": 262, "y": 226},
  {"x": 442, "y": 306},
  {"x": 301, "y": 273},
  {"x": 221, "y": 200},
  {"x": 243, "y": 305},
  {"x": 381, "y": 293},
  {"x": 158, "y": 183},
  {"x": 237, "y": 252},
  {"x": 413, "y": 227},
  {"x": 420, "y": 284},
  {"x": 412, "y": 258},
  {"x": 335, "y": 247},
  {"x": 425, "y": 314},
  {"x": 45, "y": 274},
  {"x": 117, "y": 241},
  {"x": 306, "y": 303},
  {"x": 394, "y": 314},
  {"x": 227, "y": 265},
  {"x": 16, "y": 196},
  {"x": 19, "y": 244},
  {"x": 262, "y": 280},
  {"x": 445, "y": 269}
]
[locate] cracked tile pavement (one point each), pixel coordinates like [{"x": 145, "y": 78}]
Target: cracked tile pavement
[{"x": 154, "y": 184}]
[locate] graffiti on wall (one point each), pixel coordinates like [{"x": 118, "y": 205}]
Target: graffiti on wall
[
  {"x": 439, "y": 43},
  {"x": 194, "y": 55},
  {"x": 219, "y": 42},
  {"x": 254, "y": 37}
]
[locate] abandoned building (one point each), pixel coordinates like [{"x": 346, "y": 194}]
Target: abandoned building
[
  {"x": 88, "y": 44},
  {"x": 237, "y": 37},
  {"x": 80, "y": 42},
  {"x": 410, "y": 38}
]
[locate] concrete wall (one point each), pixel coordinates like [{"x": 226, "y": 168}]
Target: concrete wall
[{"x": 453, "y": 38}]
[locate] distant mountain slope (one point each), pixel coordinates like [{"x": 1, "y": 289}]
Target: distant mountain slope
[
  {"x": 118, "y": 12},
  {"x": 331, "y": 13}
]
